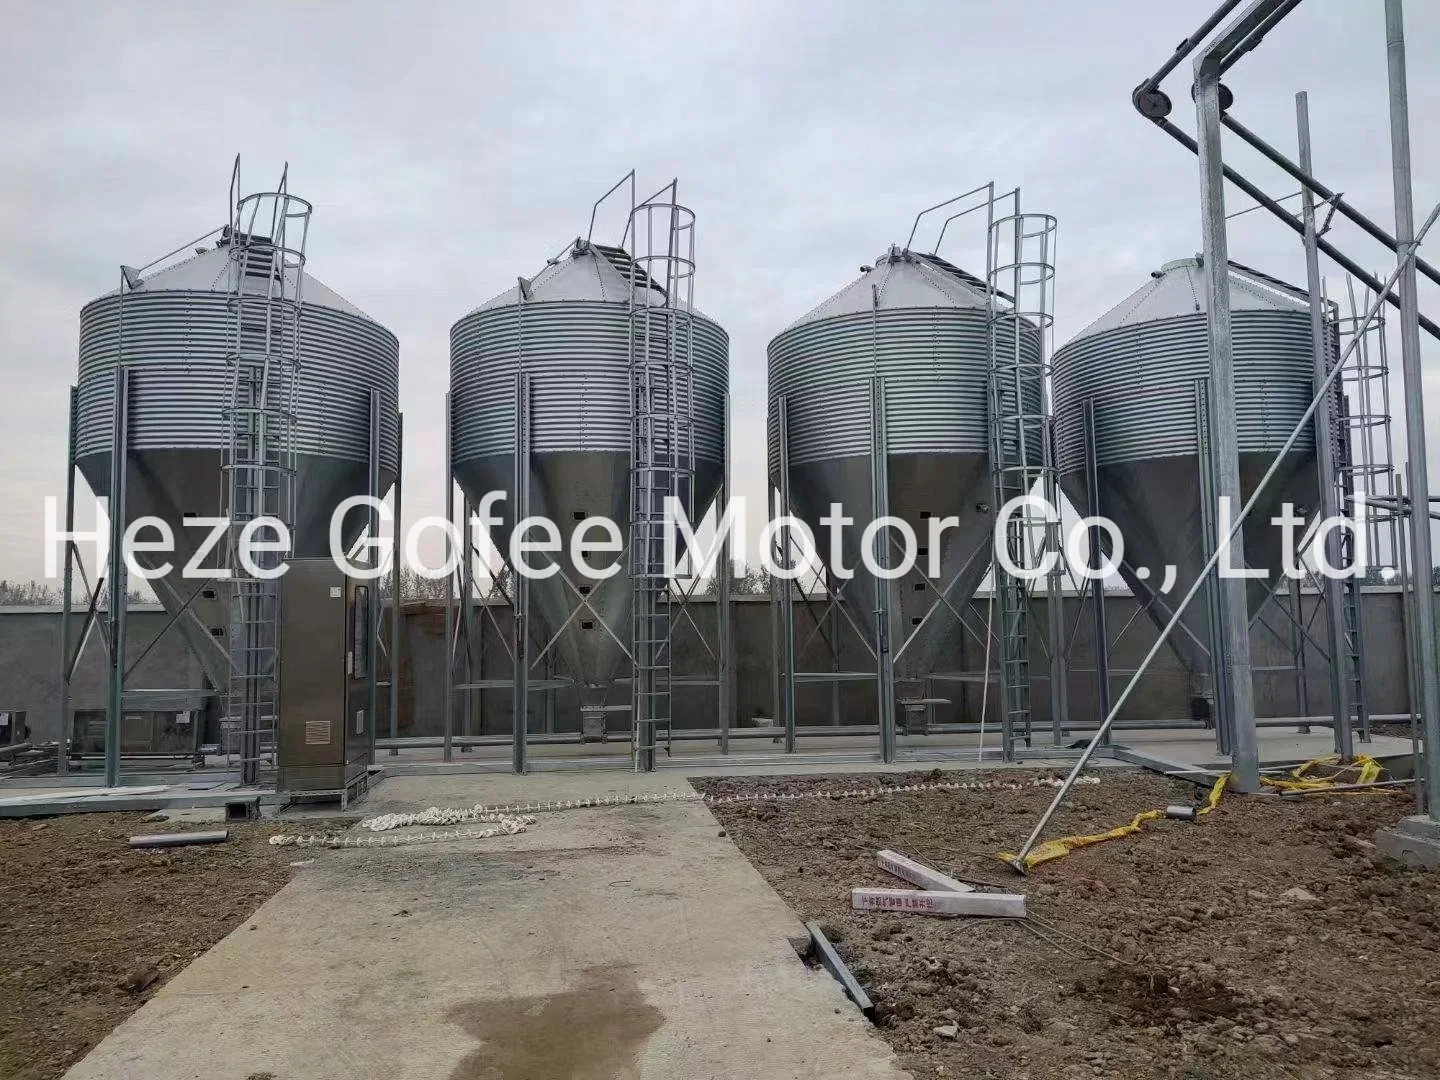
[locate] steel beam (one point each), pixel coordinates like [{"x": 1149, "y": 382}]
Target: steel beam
[
  {"x": 1422, "y": 560},
  {"x": 1325, "y": 451},
  {"x": 1234, "y": 651}
]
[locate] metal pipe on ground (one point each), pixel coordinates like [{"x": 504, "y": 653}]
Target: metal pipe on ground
[{"x": 184, "y": 839}]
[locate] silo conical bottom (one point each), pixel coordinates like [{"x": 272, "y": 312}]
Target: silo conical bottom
[
  {"x": 934, "y": 485},
  {"x": 567, "y": 487},
  {"x": 175, "y": 485},
  {"x": 1156, "y": 505}
]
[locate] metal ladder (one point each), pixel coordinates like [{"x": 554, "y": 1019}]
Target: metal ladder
[
  {"x": 266, "y": 239},
  {"x": 1019, "y": 262},
  {"x": 662, "y": 462},
  {"x": 1353, "y": 670},
  {"x": 1364, "y": 468}
]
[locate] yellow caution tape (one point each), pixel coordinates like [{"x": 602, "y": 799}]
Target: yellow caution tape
[
  {"x": 1055, "y": 849},
  {"x": 1365, "y": 770}
]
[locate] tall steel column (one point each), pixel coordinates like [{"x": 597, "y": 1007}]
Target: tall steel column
[
  {"x": 880, "y": 508},
  {"x": 785, "y": 586},
  {"x": 467, "y": 618},
  {"x": 448, "y": 699},
  {"x": 1097, "y": 584},
  {"x": 1325, "y": 454},
  {"x": 520, "y": 691},
  {"x": 396, "y": 532},
  {"x": 372, "y": 592},
  {"x": 1422, "y": 562},
  {"x": 119, "y": 459},
  {"x": 725, "y": 693},
  {"x": 62, "y": 739},
  {"x": 1234, "y": 646}
]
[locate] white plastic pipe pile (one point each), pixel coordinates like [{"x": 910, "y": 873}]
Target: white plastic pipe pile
[
  {"x": 934, "y": 902},
  {"x": 892, "y": 862},
  {"x": 939, "y": 894}
]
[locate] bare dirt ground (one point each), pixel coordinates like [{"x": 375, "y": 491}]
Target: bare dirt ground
[
  {"x": 91, "y": 928},
  {"x": 1173, "y": 953}
]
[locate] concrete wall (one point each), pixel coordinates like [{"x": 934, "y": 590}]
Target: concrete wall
[
  {"x": 29, "y": 670},
  {"x": 30, "y": 667}
]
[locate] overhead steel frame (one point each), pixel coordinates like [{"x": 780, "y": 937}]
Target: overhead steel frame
[
  {"x": 1155, "y": 105},
  {"x": 1213, "y": 103}
]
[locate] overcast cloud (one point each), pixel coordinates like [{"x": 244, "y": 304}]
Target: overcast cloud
[{"x": 450, "y": 147}]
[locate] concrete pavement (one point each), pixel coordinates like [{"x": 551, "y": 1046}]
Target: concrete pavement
[{"x": 626, "y": 943}]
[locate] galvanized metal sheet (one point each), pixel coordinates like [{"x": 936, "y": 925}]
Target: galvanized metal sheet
[
  {"x": 578, "y": 354},
  {"x": 1178, "y": 288},
  {"x": 210, "y": 271},
  {"x": 573, "y": 331},
  {"x": 900, "y": 281},
  {"x": 936, "y": 365},
  {"x": 176, "y": 346},
  {"x": 1142, "y": 377}
]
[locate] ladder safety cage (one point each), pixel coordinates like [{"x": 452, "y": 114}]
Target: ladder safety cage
[
  {"x": 661, "y": 275},
  {"x": 1020, "y": 279},
  {"x": 266, "y": 238}
]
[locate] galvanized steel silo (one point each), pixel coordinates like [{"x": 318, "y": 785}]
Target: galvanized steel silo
[
  {"x": 174, "y": 331},
  {"x": 923, "y": 326},
  {"x": 569, "y": 328},
  {"x": 1140, "y": 364}
]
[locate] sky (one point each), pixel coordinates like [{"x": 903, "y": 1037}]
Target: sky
[{"x": 450, "y": 147}]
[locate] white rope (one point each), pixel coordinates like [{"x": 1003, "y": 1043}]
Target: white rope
[
  {"x": 507, "y": 825},
  {"x": 436, "y": 815}
]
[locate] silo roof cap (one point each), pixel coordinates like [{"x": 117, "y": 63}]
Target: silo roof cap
[
  {"x": 1177, "y": 289},
  {"x": 586, "y": 272},
  {"x": 902, "y": 279},
  {"x": 209, "y": 271},
  {"x": 597, "y": 273}
]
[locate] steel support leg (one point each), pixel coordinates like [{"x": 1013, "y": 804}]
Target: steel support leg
[
  {"x": 880, "y": 508},
  {"x": 119, "y": 459},
  {"x": 372, "y": 604},
  {"x": 786, "y": 586},
  {"x": 520, "y": 700},
  {"x": 467, "y": 621},
  {"x": 396, "y": 607},
  {"x": 447, "y": 713},
  {"x": 725, "y": 692},
  {"x": 1097, "y": 584},
  {"x": 62, "y": 738}
]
